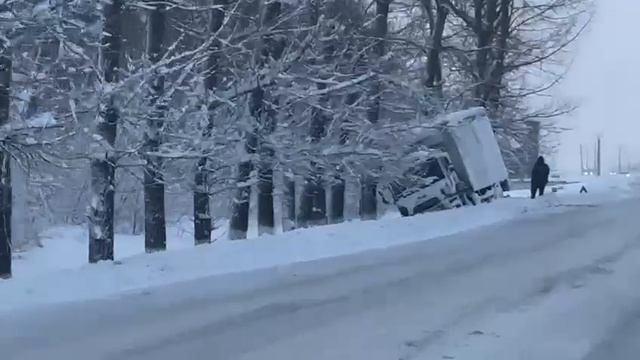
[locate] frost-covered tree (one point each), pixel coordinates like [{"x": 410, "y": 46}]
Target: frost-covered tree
[
  {"x": 5, "y": 164},
  {"x": 369, "y": 194},
  {"x": 40, "y": 54},
  {"x": 201, "y": 196},
  {"x": 103, "y": 161},
  {"x": 155, "y": 233},
  {"x": 205, "y": 106},
  {"x": 510, "y": 51}
]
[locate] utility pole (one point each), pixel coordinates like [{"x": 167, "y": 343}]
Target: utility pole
[
  {"x": 586, "y": 162},
  {"x": 581, "y": 161},
  {"x": 599, "y": 155},
  {"x": 594, "y": 166},
  {"x": 619, "y": 160}
]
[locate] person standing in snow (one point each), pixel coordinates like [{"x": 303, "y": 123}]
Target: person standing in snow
[{"x": 539, "y": 177}]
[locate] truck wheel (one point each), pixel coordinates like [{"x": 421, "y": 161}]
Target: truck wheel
[{"x": 403, "y": 211}]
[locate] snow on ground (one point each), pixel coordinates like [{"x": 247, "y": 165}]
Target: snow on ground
[
  {"x": 66, "y": 247},
  {"x": 507, "y": 335},
  {"x": 58, "y": 273},
  {"x": 43, "y": 120},
  {"x": 599, "y": 189}
]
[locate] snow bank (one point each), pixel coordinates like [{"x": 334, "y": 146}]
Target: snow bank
[
  {"x": 38, "y": 282},
  {"x": 42, "y": 120},
  {"x": 600, "y": 189},
  {"x": 66, "y": 247},
  {"x": 73, "y": 283}
]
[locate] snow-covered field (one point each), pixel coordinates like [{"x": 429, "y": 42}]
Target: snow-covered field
[
  {"x": 58, "y": 272},
  {"x": 599, "y": 189}
]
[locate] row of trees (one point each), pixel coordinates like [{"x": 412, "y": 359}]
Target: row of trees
[{"x": 222, "y": 98}]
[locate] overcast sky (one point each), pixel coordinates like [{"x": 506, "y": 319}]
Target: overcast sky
[{"x": 605, "y": 78}]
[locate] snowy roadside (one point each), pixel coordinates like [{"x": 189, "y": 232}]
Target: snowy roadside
[
  {"x": 44, "y": 282},
  {"x": 600, "y": 190},
  {"x": 65, "y": 247}
]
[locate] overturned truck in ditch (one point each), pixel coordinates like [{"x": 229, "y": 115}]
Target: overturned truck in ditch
[{"x": 454, "y": 162}]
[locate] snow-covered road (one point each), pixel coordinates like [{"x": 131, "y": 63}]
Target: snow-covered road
[{"x": 561, "y": 286}]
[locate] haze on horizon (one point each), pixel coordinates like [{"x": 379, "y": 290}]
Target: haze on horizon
[{"x": 604, "y": 78}]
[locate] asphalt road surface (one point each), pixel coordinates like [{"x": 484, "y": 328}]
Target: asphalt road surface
[{"x": 561, "y": 286}]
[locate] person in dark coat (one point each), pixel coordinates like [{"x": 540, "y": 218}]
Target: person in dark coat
[{"x": 539, "y": 177}]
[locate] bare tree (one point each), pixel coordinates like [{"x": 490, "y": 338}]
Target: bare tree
[
  {"x": 313, "y": 205},
  {"x": 5, "y": 165},
  {"x": 351, "y": 18},
  {"x": 155, "y": 223},
  {"x": 201, "y": 197},
  {"x": 504, "y": 46},
  {"x": 368, "y": 198},
  {"x": 239, "y": 224},
  {"x": 103, "y": 162},
  {"x": 270, "y": 50},
  {"x": 262, "y": 108},
  {"x": 437, "y": 22}
]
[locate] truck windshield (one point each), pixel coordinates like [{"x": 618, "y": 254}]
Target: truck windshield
[{"x": 426, "y": 169}]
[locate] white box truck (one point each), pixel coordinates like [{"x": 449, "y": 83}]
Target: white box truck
[{"x": 463, "y": 166}]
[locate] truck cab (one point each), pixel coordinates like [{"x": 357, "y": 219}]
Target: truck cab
[{"x": 429, "y": 182}]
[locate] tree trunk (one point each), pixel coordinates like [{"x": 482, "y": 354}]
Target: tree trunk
[
  {"x": 313, "y": 207},
  {"x": 101, "y": 209},
  {"x": 313, "y": 203},
  {"x": 155, "y": 225},
  {"x": 313, "y": 200},
  {"x": 338, "y": 187},
  {"x": 368, "y": 198},
  {"x": 201, "y": 208},
  {"x": 336, "y": 213},
  {"x": 266, "y": 121},
  {"x": 485, "y": 33},
  {"x": 239, "y": 225},
  {"x": 368, "y": 190},
  {"x": 266, "y": 215},
  {"x": 290, "y": 200},
  {"x": 497, "y": 74},
  {"x": 434, "y": 65},
  {"x": 5, "y": 168},
  {"x": 201, "y": 199},
  {"x": 103, "y": 170}
]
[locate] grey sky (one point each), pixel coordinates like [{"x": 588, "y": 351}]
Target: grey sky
[{"x": 605, "y": 78}]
